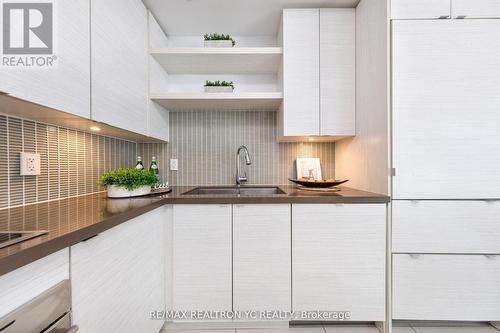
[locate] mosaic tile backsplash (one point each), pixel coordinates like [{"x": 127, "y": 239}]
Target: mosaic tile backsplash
[
  {"x": 71, "y": 161},
  {"x": 205, "y": 144}
]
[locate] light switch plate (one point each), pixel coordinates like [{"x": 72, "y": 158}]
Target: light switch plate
[
  {"x": 174, "y": 164},
  {"x": 30, "y": 164}
]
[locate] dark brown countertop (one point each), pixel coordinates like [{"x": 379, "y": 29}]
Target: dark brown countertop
[{"x": 70, "y": 221}]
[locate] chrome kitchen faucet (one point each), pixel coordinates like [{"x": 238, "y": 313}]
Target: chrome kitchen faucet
[{"x": 248, "y": 161}]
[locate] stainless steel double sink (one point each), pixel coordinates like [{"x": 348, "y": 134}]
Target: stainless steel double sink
[{"x": 236, "y": 191}]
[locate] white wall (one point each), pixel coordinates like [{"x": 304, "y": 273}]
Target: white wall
[{"x": 363, "y": 159}]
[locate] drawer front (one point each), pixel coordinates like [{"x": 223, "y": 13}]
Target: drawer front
[
  {"x": 475, "y": 8},
  {"x": 446, "y": 227},
  {"x": 446, "y": 287},
  {"x": 420, "y": 9}
]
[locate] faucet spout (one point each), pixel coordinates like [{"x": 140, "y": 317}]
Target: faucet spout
[{"x": 248, "y": 161}]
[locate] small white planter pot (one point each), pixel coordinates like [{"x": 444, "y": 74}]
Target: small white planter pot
[
  {"x": 218, "y": 89},
  {"x": 218, "y": 43},
  {"x": 115, "y": 191}
]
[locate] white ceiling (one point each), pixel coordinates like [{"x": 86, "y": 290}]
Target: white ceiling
[{"x": 235, "y": 17}]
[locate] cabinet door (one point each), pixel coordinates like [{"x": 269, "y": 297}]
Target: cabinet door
[
  {"x": 445, "y": 226},
  {"x": 475, "y": 8},
  {"x": 300, "y": 109},
  {"x": 446, "y": 78},
  {"x": 420, "y": 9},
  {"x": 338, "y": 259},
  {"x": 27, "y": 282},
  {"x": 119, "y": 64},
  {"x": 202, "y": 257},
  {"x": 446, "y": 287},
  {"x": 261, "y": 257},
  {"x": 66, "y": 87},
  {"x": 337, "y": 71},
  {"x": 118, "y": 277}
]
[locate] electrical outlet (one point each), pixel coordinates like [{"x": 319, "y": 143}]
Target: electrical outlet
[
  {"x": 174, "y": 164},
  {"x": 30, "y": 164}
]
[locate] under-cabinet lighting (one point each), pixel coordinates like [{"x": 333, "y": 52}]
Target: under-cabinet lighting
[{"x": 95, "y": 129}]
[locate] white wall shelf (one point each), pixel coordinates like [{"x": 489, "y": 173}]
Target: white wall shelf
[
  {"x": 246, "y": 101},
  {"x": 236, "y": 60}
]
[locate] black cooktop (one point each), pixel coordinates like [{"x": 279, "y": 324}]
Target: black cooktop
[{"x": 8, "y": 238}]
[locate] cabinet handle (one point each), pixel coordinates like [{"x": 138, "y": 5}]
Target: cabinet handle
[
  {"x": 460, "y": 17},
  {"x": 414, "y": 255},
  {"x": 490, "y": 256},
  {"x": 444, "y": 17}
]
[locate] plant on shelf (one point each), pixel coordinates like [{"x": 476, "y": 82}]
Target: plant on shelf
[
  {"x": 128, "y": 182},
  {"x": 218, "y": 40},
  {"x": 219, "y": 86}
]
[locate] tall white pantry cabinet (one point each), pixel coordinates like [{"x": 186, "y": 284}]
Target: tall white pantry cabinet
[{"x": 445, "y": 118}]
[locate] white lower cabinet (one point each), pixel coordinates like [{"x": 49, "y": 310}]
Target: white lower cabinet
[
  {"x": 338, "y": 259},
  {"x": 262, "y": 257},
  {"x": 446, "y": 287},
  {"x": 27, "y": 282},
  {"x": 118, "y": 277},
  {"x": 202, "y": 257}
]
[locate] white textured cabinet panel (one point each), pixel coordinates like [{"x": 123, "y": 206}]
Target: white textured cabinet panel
[
  {"x": 337, "y": 71},
  {"x": 27, "y": 282},
  {"x": 446, "y": 78},
  {"x": 338, "y": 259},
  {"x": 475, "y": 8},
  {"x": 446, "y": 287},
  {"x": 446, "y": 226},
  {"x": 67, "y": 86},
  {"x": 118, "y": 277},
  {"x": 420, "y": 9},
  {"x": 300, "y": 114},
  {"x": 202, "y": 257},
  {"x": 262, "y": 257},
  {"x": 120, "y": 64}
]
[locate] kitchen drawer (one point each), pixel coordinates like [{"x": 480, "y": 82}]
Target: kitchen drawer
[
  {"x": 475, "y": 9},
  {"x": 446, "y": 287},
  {"x": 446, "y": 226},
  {"x": 420, "y": 9}
]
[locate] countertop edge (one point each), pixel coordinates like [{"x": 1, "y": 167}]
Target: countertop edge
[{"x": 33, "y": 253}]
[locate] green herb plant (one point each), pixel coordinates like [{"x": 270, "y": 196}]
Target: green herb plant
[
  {"x": 219, "y": 84},
  {"x": 130, "y": 178},
  {"x": 216, "y": 36}
]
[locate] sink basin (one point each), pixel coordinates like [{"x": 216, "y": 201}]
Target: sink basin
[{"x": 233, "y": 190}]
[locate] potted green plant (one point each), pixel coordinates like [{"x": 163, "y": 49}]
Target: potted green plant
[
  {"x": 218, "y": 40},
  {"x": 124, "y": 183},
  {"x": 219, "y": 86}
]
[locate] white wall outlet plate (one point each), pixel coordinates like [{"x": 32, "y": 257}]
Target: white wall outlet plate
[
  {"x": 174, "y": 164},
  {"x": 30, "y": 164}
]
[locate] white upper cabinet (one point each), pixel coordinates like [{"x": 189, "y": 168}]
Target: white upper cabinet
[
  {"x": 318, "y": 73},
  {"x": 337, "y": 71},
  {"x": 420, "y": 9},
  {"x": 158, "y": 116},
  {"x": 475, "y": 9},
  {"x": 446, "y": 79},
  {"x": 300, "y": 114},
  {"x": 66, "y": 87},
  {"x": 120, "y": 64}
]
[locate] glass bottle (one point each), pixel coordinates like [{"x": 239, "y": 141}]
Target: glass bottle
[{"x": 139, "y": 164}]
